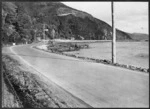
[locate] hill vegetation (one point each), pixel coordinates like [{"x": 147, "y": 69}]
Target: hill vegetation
[
  {"x": 23, "y": 21},
  {"x": 139, "y": 36}
]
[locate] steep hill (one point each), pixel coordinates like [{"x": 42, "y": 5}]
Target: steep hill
[{"x": 24, "y": 21}]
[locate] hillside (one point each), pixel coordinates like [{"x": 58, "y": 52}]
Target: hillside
[
  {"x": 139, "y": 36},
  {"x": 24, "y": 22}
]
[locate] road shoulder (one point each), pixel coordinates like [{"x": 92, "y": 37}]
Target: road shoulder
[{"x": 49, "y": 93}]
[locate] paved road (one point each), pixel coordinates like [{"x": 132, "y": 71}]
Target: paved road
[{"x": 97, "y": 84}]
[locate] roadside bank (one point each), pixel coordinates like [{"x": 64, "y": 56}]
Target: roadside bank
[{"x": 32, "y": 91}]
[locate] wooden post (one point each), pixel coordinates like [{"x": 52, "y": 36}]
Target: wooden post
[{"x": 113, "y": 35}]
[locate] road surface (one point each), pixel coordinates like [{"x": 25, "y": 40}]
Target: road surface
[{"x": 96, "y": 84}]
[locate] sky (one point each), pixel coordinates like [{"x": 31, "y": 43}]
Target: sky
[{"x": 129, "y": 16}]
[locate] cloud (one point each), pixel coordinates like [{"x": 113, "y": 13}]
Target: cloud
[
  {"x": 132, "y": 16},
  {"x": 140, "y": 26},
  {"x": 131, "y": 9}
]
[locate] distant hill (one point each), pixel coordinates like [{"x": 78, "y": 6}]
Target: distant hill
[
  {"x": 139, "y": 36},
  {"x": 24, "y": 21}
]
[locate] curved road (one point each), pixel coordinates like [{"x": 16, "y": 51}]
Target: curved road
[{"x": 97, "y": 84}]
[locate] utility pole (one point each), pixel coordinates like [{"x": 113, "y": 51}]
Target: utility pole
[
  {"x": 35, "y": 30},
  {"x": 113, "y": 35},
  {"x": 44, "y": 31}
]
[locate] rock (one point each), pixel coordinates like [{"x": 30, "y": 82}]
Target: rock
[
  {"x": 97, "y": 60},
  {"x": 132, "y": 67},
  {"x": 144, "y": 70},
  {"x": 125, "y": 66}
]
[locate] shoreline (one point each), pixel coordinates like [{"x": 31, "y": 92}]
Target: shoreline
[{"x": 103, "y": 61}]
